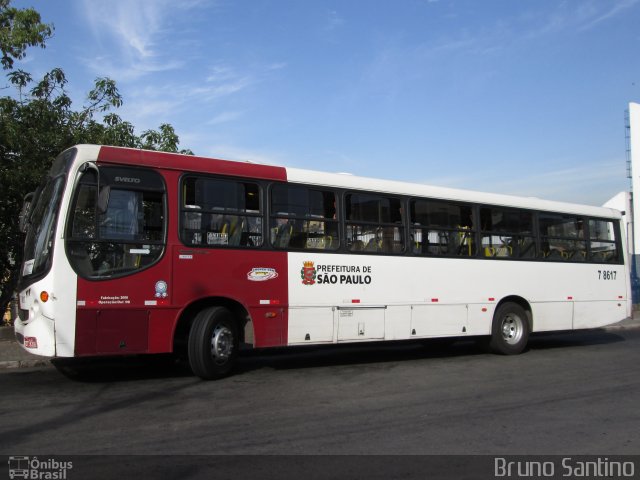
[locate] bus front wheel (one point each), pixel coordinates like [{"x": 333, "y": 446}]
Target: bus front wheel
[
  {"x": 213, "y": 343},
  {"x": 510, "y": 329}
]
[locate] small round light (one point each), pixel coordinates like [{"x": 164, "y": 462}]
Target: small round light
[{"x": 44, "y": 296}]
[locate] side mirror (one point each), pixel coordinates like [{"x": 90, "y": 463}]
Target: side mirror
[
  {"x": 103, "y": 199},
  {"x": 25, "y": 211},
  {"x": 103, "y": 194}
]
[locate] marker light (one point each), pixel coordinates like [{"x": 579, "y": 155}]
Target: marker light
[{"x": 44, "y": 296}]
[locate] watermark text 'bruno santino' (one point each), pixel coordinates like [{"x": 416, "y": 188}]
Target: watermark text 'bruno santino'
[{"x": 566, "y": 467}]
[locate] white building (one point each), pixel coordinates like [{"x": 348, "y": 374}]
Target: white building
[{"x": 629, "y": 203}]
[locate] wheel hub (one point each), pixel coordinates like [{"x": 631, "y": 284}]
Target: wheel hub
[
  {"x": 512, "y": 329},
  {"x": 221, "y": 343}
]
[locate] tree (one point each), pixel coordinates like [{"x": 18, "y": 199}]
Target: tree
[
  {"x": 39, "y": 122},
  {"x": 20, "y": 29}
]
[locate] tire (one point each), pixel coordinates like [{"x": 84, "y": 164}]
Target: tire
[
  {"x": 509, "y": 330},
  {"x": 213, "y": 343}
]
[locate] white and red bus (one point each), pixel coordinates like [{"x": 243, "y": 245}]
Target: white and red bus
[{"x": 138, "y": 252}]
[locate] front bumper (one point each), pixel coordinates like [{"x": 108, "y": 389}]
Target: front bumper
[{"x": 37, "y": 335}]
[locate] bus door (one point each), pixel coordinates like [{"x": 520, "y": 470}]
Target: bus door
[{"x": 115, "y": 243}]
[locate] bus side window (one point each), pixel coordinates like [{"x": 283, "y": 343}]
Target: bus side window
[
  {"x": 603, "y": 242},
  {"x": 374, "y": 222},
  {"x": 303, "y": 218},
  {"x": 449, "y": 232},
  {"x": 562, "y": 237},
  {"x": 507, "y": 233},
  {"x": 228, "y": 212}
]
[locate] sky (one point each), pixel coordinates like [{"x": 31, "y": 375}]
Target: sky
[{"x": 523, "y": 97}]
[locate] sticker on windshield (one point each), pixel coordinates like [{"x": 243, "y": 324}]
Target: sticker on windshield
[{"x": 27, "y": 269}]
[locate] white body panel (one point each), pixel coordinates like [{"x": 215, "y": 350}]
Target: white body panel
[
  {"x": 433, "y": 297},
  {"x": 453, "y": 296},
  {"x": 634, "y": 147}
]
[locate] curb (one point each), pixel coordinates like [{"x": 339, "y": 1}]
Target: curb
[
  {"x": 616, "y": 328},
  {"x": 12, "y": 364}
]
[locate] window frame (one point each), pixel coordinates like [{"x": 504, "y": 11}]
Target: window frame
[
  {"x": 470, "y": 234},
  {"x": 259, "y": 215},
  {"x": 551, "y": 255},
  {"x": 379, "y": 226},
  {"x": 617, "y": 241},
  {"x": 69, "y": 238},
  {"x": 274, "y": 216},
  {"x": 500, "y": 253}
]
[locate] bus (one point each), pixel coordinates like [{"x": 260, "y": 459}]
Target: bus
[{"x": 140, "y": 252}]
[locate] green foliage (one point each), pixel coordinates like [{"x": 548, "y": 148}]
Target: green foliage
[
  {"x": 39, "y": 122},
  {"x": 20, "y": 29}
]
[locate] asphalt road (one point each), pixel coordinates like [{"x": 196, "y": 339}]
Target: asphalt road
[{"x": 569, "y": 394}]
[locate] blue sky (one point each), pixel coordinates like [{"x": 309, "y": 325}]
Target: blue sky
[{"x": 524, "y": 97}]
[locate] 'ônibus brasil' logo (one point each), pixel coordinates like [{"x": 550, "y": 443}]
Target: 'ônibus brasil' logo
[{"x": 308, "y": 273}]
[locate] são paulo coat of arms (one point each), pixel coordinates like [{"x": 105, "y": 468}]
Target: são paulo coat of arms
[{"x": 308, "y": 273}]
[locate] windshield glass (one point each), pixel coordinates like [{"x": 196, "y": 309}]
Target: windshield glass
[
  {"x": 41, "y": 219},
  {"x": 129, "y": 235},
  {"x": 40, "y": 234}
]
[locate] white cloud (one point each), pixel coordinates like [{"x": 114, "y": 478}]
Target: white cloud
[
  {"x": 221, "y": 73},
  {"x": 225, "y": 117},
  {"x": 615, "y": 9},
  {"x": 579, "y": 17},
  {"x": 397, "y": 62},
  {"x": 334, "y": 20},
  {"x": 222, "y": 86},
  {"x": 132, "y": 36},
  {"x": 116, "y": 68},
  {"x": 590, "y": 183},
  {"x": 220, "y": 91},
  {"x": 276, "y": 66},
  {"x": 504, "y": 31}
]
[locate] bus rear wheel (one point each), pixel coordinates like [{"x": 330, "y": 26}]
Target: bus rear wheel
[
  {"x": 213, "y": 343},
  {"x": 510, "y": 329}
]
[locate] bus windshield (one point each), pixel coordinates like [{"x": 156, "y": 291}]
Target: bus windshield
[{"x": 40, "y": 234}]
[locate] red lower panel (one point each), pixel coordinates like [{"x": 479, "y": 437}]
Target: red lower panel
[
  {"x": 85, "y": 332},
  {"x": 269, "y": 327},
  {"x": 161, "y": 325},
  {"x": 112, "y": 332}
]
